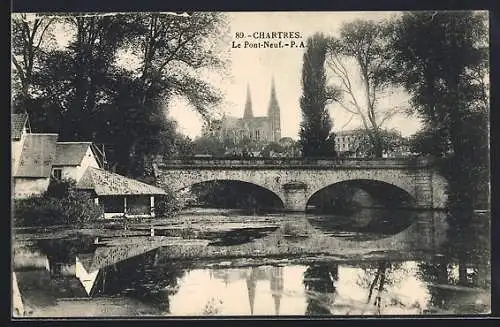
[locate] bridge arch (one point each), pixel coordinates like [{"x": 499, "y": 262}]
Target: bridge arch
[
  {"x": 393, "y": 195},
  {"x": 249, "y": 188}
]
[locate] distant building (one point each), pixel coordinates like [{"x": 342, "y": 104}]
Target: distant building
[
  {"x": 261, "y": 130},
  {"x": 350, "y": 144},
  {"x": 72, "y": 159},
  {"x": 346, "y": 141}
]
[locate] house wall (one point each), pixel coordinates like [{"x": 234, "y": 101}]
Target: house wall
[
  {"x": 17, "y": 147},
  {"x": 26, "y": 187},
  {"x": 76, "y": 172},
  {"x": 86, "y": 278}
]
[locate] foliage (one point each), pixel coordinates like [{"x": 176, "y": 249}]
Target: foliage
[
  {"x": 444, "y": 58},
  {"x": 273, "y": 147},
  {"x": 428, "y": 141},
  {"x": 60, "y": 188},
  {"x": 31, "y": 34},
  {"x": 363, "y": 43},
  {"x": 167, "y": 204},
  {"x": 61, "y": 204},
  {"x": 315, "y": 136},
  {"x": 389, "y": 141},
  {"x": 212, "y": 145}
]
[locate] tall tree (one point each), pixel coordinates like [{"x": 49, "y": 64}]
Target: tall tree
[
  {"x": 172, "y": 49},
  {"x": 443, "y": 60},
  {"x": 31, "y": 33},
  {"x": 315, "y": 136},
  {"x": 85, "y": 92},
  {"x": 362, "y": 44}
]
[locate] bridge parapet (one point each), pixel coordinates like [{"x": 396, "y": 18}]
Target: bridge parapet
[{"x": 261, "y": 163}]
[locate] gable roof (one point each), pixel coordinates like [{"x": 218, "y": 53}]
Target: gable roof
[
  {"x": 107, "y": 183},
  {"x": 70, "y": 153},
  {"x": 17, "y": 123},
  {"x": 105, "y": 256},
  {"x": 37, "y": 155}
]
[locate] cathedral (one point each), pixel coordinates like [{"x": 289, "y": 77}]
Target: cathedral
[{"x": 261, "y": 130}]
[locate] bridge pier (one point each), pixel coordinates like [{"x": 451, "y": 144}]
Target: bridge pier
[{"x": 295, "y": 197}]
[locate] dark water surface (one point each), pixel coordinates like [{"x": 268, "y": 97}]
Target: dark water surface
[{"x": 403, "y": 267}]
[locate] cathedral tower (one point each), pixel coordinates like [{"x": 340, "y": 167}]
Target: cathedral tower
[
  {"x": 248, "y": 105},
  {"x": 273, "y": 113}
]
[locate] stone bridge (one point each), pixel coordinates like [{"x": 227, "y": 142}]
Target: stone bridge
[{"x": 294, "y": 181}]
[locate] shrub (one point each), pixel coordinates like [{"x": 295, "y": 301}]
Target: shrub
[
  {"x": 60, "y": 188},
  {"x": 167, "y": 204},
  {"x": 61, "y": 204}
]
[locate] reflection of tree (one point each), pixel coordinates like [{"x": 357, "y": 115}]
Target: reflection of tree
[
  {"x": 436, "y": 273},
  {"x": 440, "y": 277},
  {"x": 140, "y": 278},
  {"x": 377, "y": 279},
  {"x": 380, "y": 279},
  {"x": 319, "y": 284}
]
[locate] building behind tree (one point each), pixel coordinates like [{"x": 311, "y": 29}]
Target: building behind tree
[{"x": 250, "y": 133}]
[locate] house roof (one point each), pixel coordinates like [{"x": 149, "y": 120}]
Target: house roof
[
  {"x": 17, "y": 122},
  {"x": 107, "y": 255},
  {"x": 107, "y": 183},
  {"x": 347, "y": 132},
  {"x": 70, "y": 153},
  {"x": 37, "y": 156}
]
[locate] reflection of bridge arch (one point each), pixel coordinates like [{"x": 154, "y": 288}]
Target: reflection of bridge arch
[
  {"x": 295, "y": 181},
  {"x": 270, "y": 193}
]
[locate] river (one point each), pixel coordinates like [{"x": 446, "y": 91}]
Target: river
[{"x": 373, "y": 262}]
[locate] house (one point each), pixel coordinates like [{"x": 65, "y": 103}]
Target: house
[
  {"x": 32, "y": 158},
  {"x": 38, "y": 157},
  {"x": 20, "y": 127},
  {"x": 119, "y": 196},
  {"x": 72, "y": 159},
  {"x": 31, "y": 172}
]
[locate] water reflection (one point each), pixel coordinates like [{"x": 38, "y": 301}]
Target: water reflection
[
  {"x": 374, "y": 223},
  {"x": 320, "y": 289},
  {"x": 361, "y": 287},
  {"x": 135, "y": 279}
]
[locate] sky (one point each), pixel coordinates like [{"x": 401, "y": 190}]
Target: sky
[{"x": 256, "y": 68}]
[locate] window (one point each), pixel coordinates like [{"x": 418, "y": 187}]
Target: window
[{"x": 57, "y": 173}]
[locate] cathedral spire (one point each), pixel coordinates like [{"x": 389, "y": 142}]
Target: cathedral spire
[
  {"x": 273, "y": 112},
  {"x": 248, "y": 105},
  {"x": 276, "y": 284},
  {"x": 251, "y": 285}
]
